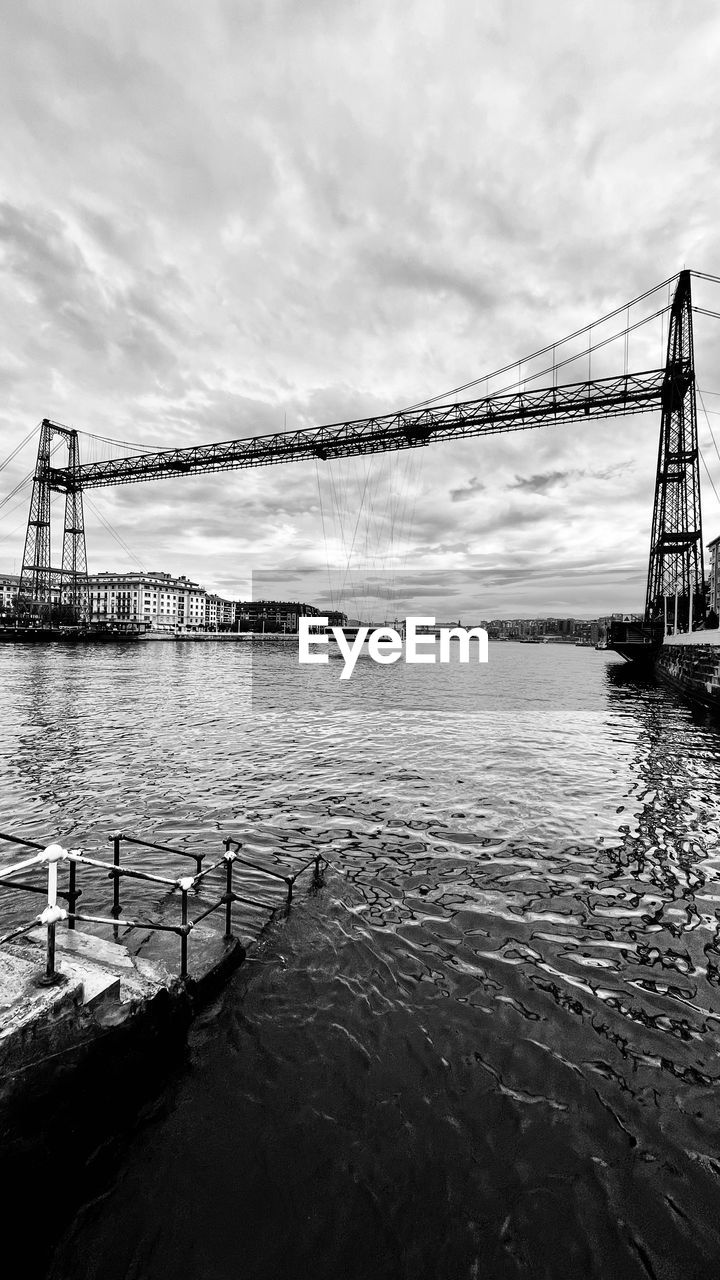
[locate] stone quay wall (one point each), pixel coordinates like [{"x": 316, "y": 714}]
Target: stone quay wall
[{"x": 694, "y": 669}]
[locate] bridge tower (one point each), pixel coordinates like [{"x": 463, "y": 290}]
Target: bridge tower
[
  {"x": 48, "y": 595},
  {"x": 676, "y": 568}
]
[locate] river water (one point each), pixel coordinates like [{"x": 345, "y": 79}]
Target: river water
[{"x": 489, "y": 1045}]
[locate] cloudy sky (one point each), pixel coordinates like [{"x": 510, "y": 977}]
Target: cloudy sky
[{"x": 224, "y": 219}]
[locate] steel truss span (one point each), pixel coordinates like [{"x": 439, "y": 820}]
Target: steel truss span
[
  {"x": 409, "y": 429},
  {"x": 676, "y": 572}
]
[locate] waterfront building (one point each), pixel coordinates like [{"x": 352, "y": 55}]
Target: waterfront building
[
  {"x": 272, "y": 615},
  {"x": 9, "y": 583},
  {"x": 219, "y": 613},
  {"x": 191, "y": 604},
  {"x": 158, "y": 601},
  {"x": 714, "y": 599}
]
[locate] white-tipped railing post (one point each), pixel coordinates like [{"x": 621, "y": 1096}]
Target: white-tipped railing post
[
  {"x": 185, "y": 884},
  {"x": 229, "y": 859},
  {"x": 52, "y": 913}
]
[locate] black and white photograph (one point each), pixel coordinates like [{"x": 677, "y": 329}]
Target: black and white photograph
[{"x": 360, "y": 639}]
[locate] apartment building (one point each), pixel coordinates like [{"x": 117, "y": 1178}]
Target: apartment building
[
  {"x": 272, "y": 615},
  {"x": 714, "y": 598},
  {"x": 9, "y": 583},
  {"x": 159, "y": 601},
  {"x": 219, "y": 613}
]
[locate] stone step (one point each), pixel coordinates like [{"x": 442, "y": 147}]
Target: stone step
[
  {"x": 100, "y": 986},
  {"x": 19, "y": 987},
  {"x": 96, "y": 963},
  {"x": 73, "y": 942}
]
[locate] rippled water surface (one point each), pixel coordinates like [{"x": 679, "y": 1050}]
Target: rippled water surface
[{"x": 489, "y": 1046}]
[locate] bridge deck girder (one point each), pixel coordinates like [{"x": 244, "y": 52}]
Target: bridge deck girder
[{"x": 408, "y": 429}]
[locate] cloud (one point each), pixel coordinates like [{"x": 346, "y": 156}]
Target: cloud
[
  {"x": 219, "y": 220},
  {"x": 542, "y": 483},
  {"x": 469, "y": 490}
]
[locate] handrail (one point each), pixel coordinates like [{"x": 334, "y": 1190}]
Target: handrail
[
  {"x": 112, "y": 870},
  {"x": 32, "y": 844},
  {"x": 54, "y": 854},
  {"x": 276, "y": 875},
  {"x": 289, "y": 880},
  {"x": 214, "y": 866},
  {"x": 37, "y": 860},
  {"x": 129, "y": 924},
  {"x": 25, "y": 887},
  {"x": 15, "y": 933},
  {"x": 162, "y": 848}
]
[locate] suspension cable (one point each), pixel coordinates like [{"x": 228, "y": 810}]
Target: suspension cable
[
  {"x": 702, "y": 456},
  {"x": 124, "y": 444},
  {"x": 544, "y": 350},
  {"x": 113, "y": 533},
  {"x": 21, "y": 445},
  {"x": 26, "y": 479},
  {"x": 581, "y": 355}
]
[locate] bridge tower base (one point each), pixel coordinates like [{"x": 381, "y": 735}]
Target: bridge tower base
[
  {"x": 50, "y": 596},
  {"x": 676, "y": 597},
  {"x": 676, "y": 575}
]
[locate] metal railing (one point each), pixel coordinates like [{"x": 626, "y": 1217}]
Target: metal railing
[{"x": 53, "y": 856}]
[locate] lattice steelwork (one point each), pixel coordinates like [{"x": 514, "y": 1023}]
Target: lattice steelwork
[
  {"x": 676, "y": 558},
  {"x": 409, "y": 429},
  {"x": 676, "y": 553},
  {"x": 74, "y": 593},
  {"x": 48, "y": 595},
  {"x": 35, "y": 587}
]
